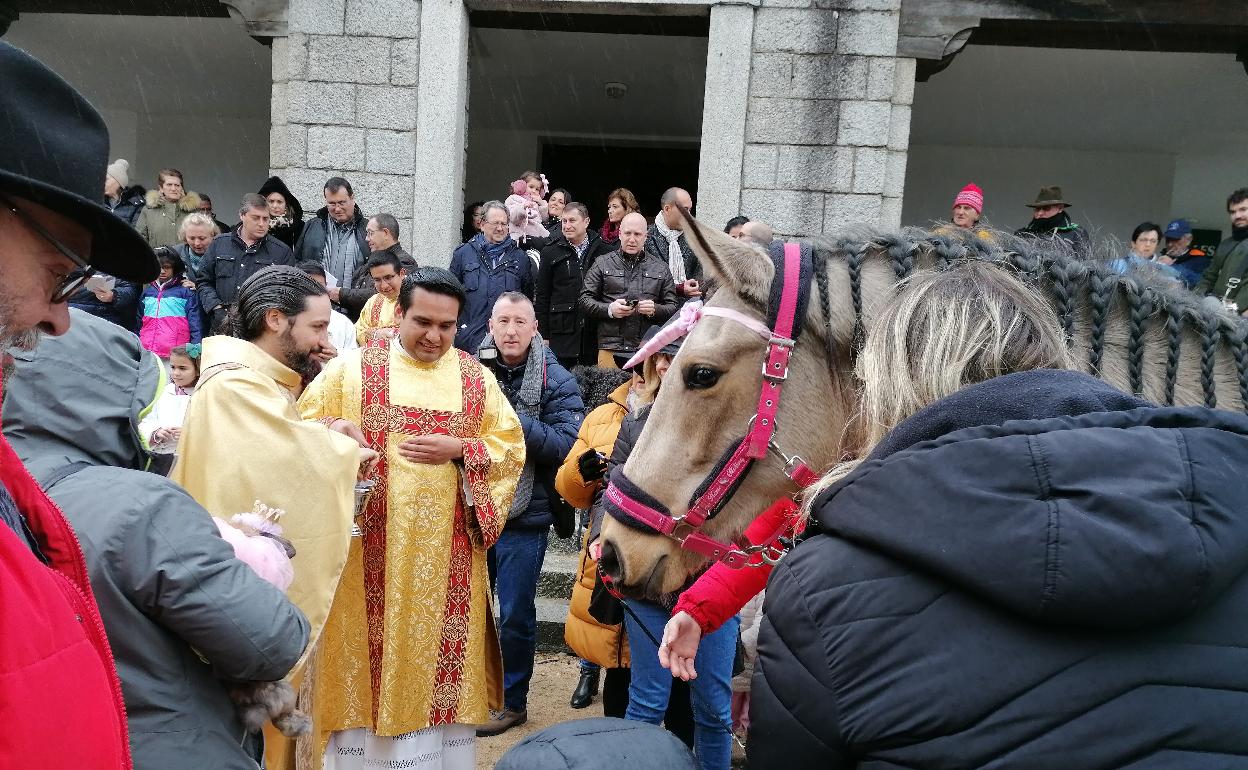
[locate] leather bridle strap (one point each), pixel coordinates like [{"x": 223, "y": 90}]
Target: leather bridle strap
[{"x": 632, "y": 506}]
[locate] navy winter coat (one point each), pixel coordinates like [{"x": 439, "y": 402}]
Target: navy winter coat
[
  {"x": 1036, "y": 572},
  {"x": 548, "y": 438},
  {"x": 485, "y": 285}
]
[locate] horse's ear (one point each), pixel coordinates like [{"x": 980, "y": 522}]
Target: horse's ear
[{"x": 739, "y": 266}]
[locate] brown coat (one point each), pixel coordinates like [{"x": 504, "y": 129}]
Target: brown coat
[{"x": 591, "y": 640}]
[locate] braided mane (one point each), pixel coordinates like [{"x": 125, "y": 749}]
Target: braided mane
[{"x": 1138, "y": 331}]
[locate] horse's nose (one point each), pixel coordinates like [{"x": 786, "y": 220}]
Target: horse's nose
[{"x": 609, "y": 563}]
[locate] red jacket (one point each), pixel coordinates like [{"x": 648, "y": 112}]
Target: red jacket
[
  {"x": 60, "y": 698},
  {"x": 722, "y": 591}
]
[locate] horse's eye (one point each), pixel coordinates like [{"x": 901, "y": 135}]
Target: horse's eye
[{"x": 701, "y": 377}]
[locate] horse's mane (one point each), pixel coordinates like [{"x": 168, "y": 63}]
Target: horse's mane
[{"x": 1084, "y": 292}]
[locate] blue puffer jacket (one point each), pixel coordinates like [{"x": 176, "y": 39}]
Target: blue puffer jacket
[
  {"x": 547, "y": 439},
  {"x": 1036, "y": 572},
  {"x": 485, "y": 284}
]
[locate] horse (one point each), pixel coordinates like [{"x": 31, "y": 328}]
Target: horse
[{"x": 1139, "y": 332}]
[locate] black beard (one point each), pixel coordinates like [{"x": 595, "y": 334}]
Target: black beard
[{"x": 300, "y": 361}]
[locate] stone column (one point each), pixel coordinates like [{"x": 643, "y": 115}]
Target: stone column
[
  {"x": 825, "y": 146},
  {"x": 344, "y": 102},
  {"x": 442, "y": 125},
  {"x": 724, "y": 112}
]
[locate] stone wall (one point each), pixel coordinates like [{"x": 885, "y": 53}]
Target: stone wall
[
  {"x": 828, "y": 116},
  {"x": 806, "y": 122},
  {"x": 345, "y": 101}
]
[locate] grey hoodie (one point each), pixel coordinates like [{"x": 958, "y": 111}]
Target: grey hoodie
[{"x": 182, "y": 614}]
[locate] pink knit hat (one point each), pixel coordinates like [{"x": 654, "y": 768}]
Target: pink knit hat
[
  {"x": 972, "y": 196},
  {"x": 519, "y": 187}
]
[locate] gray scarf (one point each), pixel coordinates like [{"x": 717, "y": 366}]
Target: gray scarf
[
  {"x": 342, "y": 251},
  {"x": 527, "y": 402}
]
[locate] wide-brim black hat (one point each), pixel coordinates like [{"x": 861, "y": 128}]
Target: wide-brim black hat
[
  {"x": 56, "y": 153},
  {"x": 1049, "y": 196}
]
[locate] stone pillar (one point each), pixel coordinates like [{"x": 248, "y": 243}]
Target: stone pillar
[
  {"x": 344, "y": 102},
  {"x": 827, "y": 124},
  {"x": 724, "y": 112},
  {"x": 442, "y": 125}
]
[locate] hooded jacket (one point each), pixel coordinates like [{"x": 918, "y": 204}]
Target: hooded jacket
[
  {"x": 590, "y": 639},
  {"x": 1036, "y": 572},
  {"x": 158, "y": 221},
  {"x": 182, "y": 614},
  {"x": 61, "y": 696},
  {"x": 289, "y": 230}
]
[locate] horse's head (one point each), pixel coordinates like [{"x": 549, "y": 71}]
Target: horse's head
[{"x": 705, "y": 406}]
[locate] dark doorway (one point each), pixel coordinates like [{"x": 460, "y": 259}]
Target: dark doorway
[{"x": 591, "y": 171}]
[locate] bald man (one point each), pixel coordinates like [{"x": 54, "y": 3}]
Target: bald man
[
  {"x": 756, "y": 233},
  {"x": 627, "y": 291},
  {"x": 666, "y": 241}
]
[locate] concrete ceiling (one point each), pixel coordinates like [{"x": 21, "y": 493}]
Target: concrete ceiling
[
  {"x": 1000, "y": 96},
  {"x": 554, "y": 82},
  {"x": 165, "y": 65}
]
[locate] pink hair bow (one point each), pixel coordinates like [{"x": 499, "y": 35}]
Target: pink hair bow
[
  {"x": 685, "y": 321},
  {"x": 545, "y": 185}
]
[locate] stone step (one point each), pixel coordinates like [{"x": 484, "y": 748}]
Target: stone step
[
  {"x": 558, "y": 574},
  {"x": 551, "y": 614}
]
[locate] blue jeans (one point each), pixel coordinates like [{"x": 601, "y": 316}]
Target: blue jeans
[
  {"x": 515, "y": 563},
  {"x": 711, "y": 692}
]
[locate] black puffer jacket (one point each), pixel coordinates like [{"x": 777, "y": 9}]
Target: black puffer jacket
[
  {"x": 560, "y": 276},
  {"x": 1037, "y": 572},
  {"x": 617, "y": 275}
]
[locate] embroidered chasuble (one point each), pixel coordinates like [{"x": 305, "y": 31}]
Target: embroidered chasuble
[
  {"x": 410, "y": 643},
  {"x": 378, "y": 313}
]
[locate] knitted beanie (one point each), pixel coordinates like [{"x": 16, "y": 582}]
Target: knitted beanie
[
  {"x": 120, "y": 170},
  {"x": 972, "y": 196},
  {"x": 519, "y": 187}
]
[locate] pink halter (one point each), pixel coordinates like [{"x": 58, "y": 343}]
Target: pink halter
[{"x": 631, "y": 505}]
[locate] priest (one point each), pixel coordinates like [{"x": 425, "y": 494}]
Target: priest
[
  {"x": 409, "y": 661},
  {"x": 243, "y": 439}
]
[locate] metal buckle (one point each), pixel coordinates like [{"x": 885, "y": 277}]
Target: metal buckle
[{"x": 775, "y": 377}]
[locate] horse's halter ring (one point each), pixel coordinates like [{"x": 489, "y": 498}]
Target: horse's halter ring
[{"x": 627, "y": 503}]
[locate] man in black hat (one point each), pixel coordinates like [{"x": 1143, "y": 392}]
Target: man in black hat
[
  {"x": 54, "y": 235},
  {"x": 1050, "y": 220}
]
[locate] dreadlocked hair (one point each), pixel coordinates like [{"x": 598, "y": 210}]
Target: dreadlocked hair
[{"x": 282, "y": 288}]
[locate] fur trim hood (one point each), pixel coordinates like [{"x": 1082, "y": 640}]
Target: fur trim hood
[{"x": 188, "y": 203}]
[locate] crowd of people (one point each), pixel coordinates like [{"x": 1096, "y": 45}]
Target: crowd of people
[{"x": 296, "y": 467}]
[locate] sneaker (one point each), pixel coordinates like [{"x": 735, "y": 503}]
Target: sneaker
[{"x": 502, "y": 723}]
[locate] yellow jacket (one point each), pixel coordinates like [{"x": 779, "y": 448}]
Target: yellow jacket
[{"x": 591, "y": 640}]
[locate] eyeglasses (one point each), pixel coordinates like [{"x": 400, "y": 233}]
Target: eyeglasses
[
  {"x": 339, "y": 204},
  {"x": 69, "y": 282}
]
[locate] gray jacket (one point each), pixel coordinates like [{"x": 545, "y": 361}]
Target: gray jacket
[{"x": 182, "y": 614}]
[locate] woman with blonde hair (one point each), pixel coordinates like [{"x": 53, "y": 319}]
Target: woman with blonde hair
[
  {"x": 620, "y": 203},
  {"x": 1026, "y": 567}
]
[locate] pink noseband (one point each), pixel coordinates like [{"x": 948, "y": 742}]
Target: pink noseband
[{"x": 624, "y": 498}]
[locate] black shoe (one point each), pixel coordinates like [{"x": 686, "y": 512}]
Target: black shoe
[
  {"x": 502, "y": 723},
  {"x": 586, "y": 689}
]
